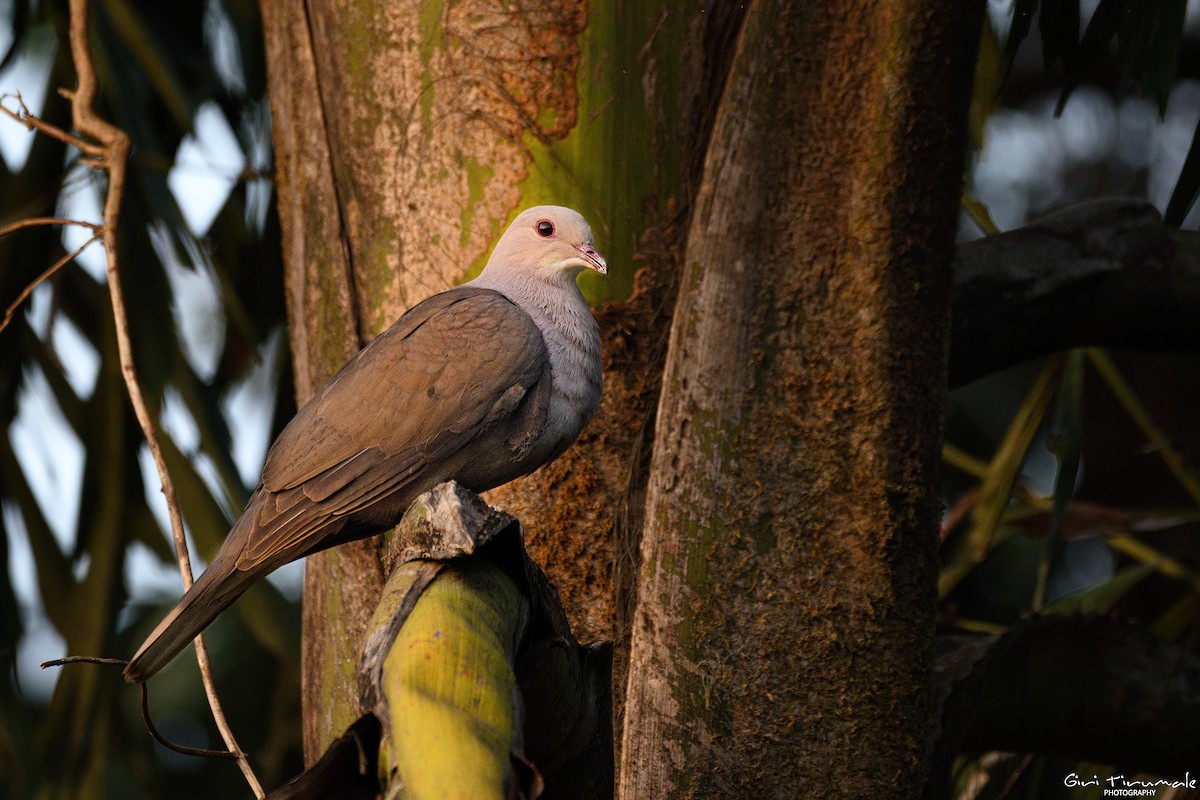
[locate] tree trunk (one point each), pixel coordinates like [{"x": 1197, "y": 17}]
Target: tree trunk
[
  {"x": 339, "y": 584},
  {"x": 407, "y": 134},
  {"x": 782, "y": 639}
]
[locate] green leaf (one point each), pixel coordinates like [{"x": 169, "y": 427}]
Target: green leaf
[
  {"x": 979, "y": 214},
  {"x": 1094, "y": 45},
  {"x": 1141, "y": 417},
  {"x": 1177, "y": 620},
  {"x": 18, "y": 22},
  {"x": 1067, "y": 444},
  {"x": 1101, "y": 599},
  {"x": 81, "y": 709},
  {"x": 996, "y": 487},
  {"x": 1183, "y": 197},
  {"x": 203, "y": 404},
  {"x": 143, "y": 527},
  {"x": 56, "y": 583},
  {"x": 1149, "y": 46},
  {"x": 11, "y": 627},
  {"x": 155, "y": 63},
  {"x": 989, "y": 76},
  {"x": 1144, "y": 37},
  {"x": 43, "y": 355},
  {"x": 1156, "y": 62},
  {"x": 205, "y": 517},
  {"x": 1103, "y": 27}
]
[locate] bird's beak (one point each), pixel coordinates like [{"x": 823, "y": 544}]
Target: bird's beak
[{"x": 593, "y": 259}]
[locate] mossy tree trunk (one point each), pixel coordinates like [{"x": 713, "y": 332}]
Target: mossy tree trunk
[
  {"x": 782, "y": 639},
  {"x": 408, "y": 133}
]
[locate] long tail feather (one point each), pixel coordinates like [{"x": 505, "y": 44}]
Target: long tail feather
[{"x": 216, "y": 589}]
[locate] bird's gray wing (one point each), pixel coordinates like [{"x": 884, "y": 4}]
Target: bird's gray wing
[{"x": 447, "y": 371}]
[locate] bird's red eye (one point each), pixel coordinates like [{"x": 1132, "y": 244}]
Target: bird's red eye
[{"x": 545, "y": 228}]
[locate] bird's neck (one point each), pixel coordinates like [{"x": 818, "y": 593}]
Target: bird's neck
[
  {"x": 572, "y": 338},
  {"x": 551, "y": 300}
]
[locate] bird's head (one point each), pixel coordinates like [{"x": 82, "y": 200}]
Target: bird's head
[{"x": 549, "y": 240}]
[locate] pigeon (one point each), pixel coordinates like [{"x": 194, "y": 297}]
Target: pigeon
[{"x": 480, "y": 384}]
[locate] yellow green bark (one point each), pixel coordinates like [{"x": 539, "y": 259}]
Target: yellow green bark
[{"x": 451, "y": 693}]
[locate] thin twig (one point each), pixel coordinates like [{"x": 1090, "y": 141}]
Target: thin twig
[
  {"x": 53, "y": 268},
  {"x": 114, "y": 157},
  {"x": 26, "y": 118},
  {"x": 33, "y": 222},
  {"x": 59, "y": 662},
  {"x": 202, "y": 752}
]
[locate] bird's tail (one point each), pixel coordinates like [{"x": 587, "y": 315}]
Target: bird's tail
[{"x": 216, "y": 589}]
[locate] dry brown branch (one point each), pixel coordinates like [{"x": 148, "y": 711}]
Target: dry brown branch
[
  {"x": 112, "y": 155},
  {"x": 203, "y": 752},
  {"x": 26, "y": 118},
  {"x": 33, "y": 222},
  {"x": 59, "y": 662},
  {"x": 53, "y": 268}
]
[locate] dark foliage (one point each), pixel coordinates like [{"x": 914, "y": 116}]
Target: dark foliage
[{"x": 159, "y": 66}]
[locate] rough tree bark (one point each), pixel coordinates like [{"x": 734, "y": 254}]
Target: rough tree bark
[
  {"x": 785, "y": 607},
  {"x": 324, "y": 328},
  {"x": 407, "y": 134}
]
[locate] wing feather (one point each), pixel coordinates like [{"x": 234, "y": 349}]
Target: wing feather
[{"x": 447, "y": 371}]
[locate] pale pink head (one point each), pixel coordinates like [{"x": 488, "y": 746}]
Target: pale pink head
[{"x": 547, "y": 240}]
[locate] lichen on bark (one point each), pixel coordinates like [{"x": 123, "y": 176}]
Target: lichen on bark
[{"x": 785, "y": 599}]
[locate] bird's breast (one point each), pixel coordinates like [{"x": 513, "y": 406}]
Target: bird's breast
[
  {"x": 573, "y": 346},
  {"x": 572, "y": 341}
]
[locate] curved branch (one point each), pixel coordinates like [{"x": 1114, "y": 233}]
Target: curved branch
[
  {"x": 112, "y": 155},
  {"x": 34, "y": 222},
  {"x": 200, "y": 752},
  {"x": 32, "y": 123},
  {"x": 1108, "y": 273},
  {"x": 53, "y": 268}
]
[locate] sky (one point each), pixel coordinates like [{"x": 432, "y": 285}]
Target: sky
[{"x": 1026, "y": 167}]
